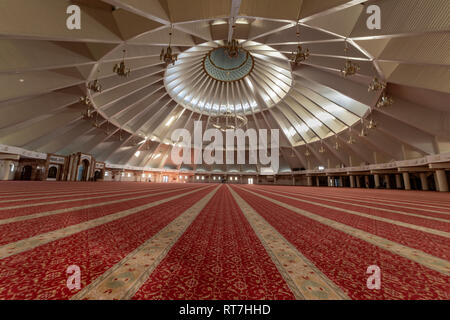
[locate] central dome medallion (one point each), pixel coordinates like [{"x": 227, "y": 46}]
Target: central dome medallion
[
  {"x": 207, "y": 80},
  {"x": 219, "y": 65}
]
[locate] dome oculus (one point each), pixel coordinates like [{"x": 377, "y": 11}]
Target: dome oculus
[{"x": 220, "y": 66}]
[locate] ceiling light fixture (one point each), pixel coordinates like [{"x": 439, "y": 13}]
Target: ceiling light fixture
[
  {"x": 229, "y": 121},
  {"x": 232, "y": 46},
  {"x": 166, "y": 55},
  {"x": 350, "y": 67},
  {"x": 377, "y": 85},
  {"x": 299, "y": 56},
  {"x": 95, "y": 85},
  {"x": 121, "y": 69},
  {"x": 385, "y": 101}
]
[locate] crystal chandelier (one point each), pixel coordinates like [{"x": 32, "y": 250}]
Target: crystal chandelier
[
  {"x": 166, "y": 55},
  {"x": 299, "y": 56},
  {"x": 229, "y": 121},
  {"x": 350, "y": 68},
  {"x": 385, "y": 101},
  {"x": 121, "y": 69}
]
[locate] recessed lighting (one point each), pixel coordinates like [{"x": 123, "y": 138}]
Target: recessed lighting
[{"x": 21, "y": 80}]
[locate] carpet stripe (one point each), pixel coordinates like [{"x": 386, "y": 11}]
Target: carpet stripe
[
  {"x": 33, "y": 242},
  {"x": 26, "y": 216},
  {"x": 41, "y": 273},
  {"x": 140, "y": 263},
  {"x": 219, "y": 257},
  {"x": 303, "y": 277},
  {"x": 409, "y": 218},
  {"x": 444, "y": 214},
  {"x": 28, "y": 205},
  {"x": 361, "y": 214},
  {"x": 418, "y": 256},
  {"x": 344, "y": 258},
  {"x": 432, "y": 244},
  {"x": 28, "y": 228},
  {"x": 73, "y": 195}
]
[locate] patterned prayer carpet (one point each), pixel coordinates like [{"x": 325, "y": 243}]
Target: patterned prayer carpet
[{"x": 223, "y": 242}]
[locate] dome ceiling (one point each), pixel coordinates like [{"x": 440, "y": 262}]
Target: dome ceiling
[{"x": 44, "y": 72}]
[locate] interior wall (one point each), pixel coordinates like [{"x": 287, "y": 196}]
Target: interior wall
[{"x": 5, "y": 169}]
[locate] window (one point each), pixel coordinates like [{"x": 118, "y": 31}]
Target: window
[
  {"x": 11, "y": 167},
  {"x": 250, "y": 180},
  {"x": 165, "y": 179}
]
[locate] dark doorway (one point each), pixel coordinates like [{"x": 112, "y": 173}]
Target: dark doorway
[
  {"x": 26, "y": 173},
  {"x": 97, "y": 175},
  {"x": 85, "y": 170},
  {"x": 52, "y": 172}
]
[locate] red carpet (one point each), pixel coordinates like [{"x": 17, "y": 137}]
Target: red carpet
[{"x": 221, "y": 253}]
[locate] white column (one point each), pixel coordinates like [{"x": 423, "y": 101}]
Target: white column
[
  {"x": 388, "y": 181},
  {"x": 442, "y": 180},
  {"x": 406, "y": 181},
  {"x": 423, "y": 181},
  {"x": 398, "y": 181},
  {"x": 377, "y": 181},
  {"x": 352, "y": 181}
]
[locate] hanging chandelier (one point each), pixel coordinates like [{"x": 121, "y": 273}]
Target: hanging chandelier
[
  {"x": 229, "y": 121},
  {"x": 95, "y": 85},
  {"x": 385, "y": 101},
  {"x": 299, "y": 56},
  {"x": 232, "y": 46},
  {"x": 121, "y": 69},
  {"x": 86, "y": 101},
  {"x": 351, "y": 68},
  {"x": 351, "y": 139},
  {"x": 167, "y": 56},
  {"x": 372, "y": 124},
  {"x": 88, "y": 113},
  {"x": 321, "y": 149},
  {"x": 363, "y": 132},
  {"x": 336, "y": 146},
  {"x": 377, "y": 85},
  {"x": 307, "y": 153}
]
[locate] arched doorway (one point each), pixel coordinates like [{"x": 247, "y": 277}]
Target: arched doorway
[
  {"x": 98, "y": 175},
  {"x": 52, "y": 173},
  {"x": 83, "y": 171},
  {"x": 26, "y": 173}
]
